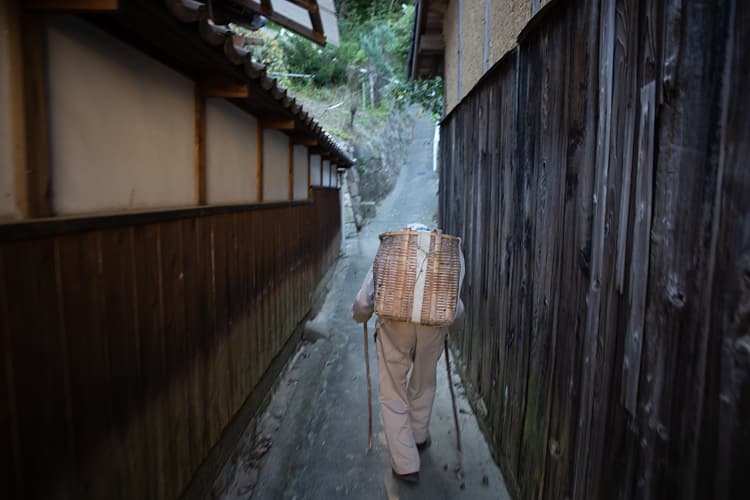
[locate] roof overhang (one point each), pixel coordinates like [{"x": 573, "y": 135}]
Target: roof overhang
[
  {"x": 427, "y": 48},
  {"x": 312, "y": 19}
]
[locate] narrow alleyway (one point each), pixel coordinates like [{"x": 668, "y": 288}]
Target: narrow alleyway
[{"x": 316, "y": 424}]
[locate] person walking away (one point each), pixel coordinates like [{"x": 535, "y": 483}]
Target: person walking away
[{"x": 405, "y": 405}]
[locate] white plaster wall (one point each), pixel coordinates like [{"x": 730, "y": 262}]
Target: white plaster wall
[
  {"x": 231, "y": 154},
  {"x": 9, "y": 136},
  {"x": 326, "y": 173},
  {"x": 300, "y": 172},
  {"x": 315, "y": 179},
  {"x": 121, "y": 124},
  {"x": 275, "y": 166}
]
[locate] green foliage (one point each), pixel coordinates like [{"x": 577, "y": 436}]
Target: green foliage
[
  {"x": 375, "y": 38},
  {"x": 328, "y": 64},
  {"x": 425, "y": 93}
]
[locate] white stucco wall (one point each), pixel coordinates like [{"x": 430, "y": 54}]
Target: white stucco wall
[
  {"x": 231, "y": 154},
  {"x": 326, "y": 173},
  {"x": 315, "y": 179},
  {"x": 10, "y": 146},
  {"x": 275, "y": 166},
  {"x": 300, "y": 172},
  {"x": 121, "y": 124}
]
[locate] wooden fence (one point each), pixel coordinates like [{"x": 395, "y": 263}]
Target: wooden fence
[
  {"x": 599, "y": 177},
  {"x": 130, "y": 342}
]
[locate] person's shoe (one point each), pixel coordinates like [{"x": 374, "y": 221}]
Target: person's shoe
[
  {"x": 411, "y": 478},
  {"x": 424, "y": 445}
]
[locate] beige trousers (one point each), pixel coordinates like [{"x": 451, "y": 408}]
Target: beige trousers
[{"x": 406, "y": 405}]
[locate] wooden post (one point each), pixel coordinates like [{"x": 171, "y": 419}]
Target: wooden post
[
  {"x": 321, "y": 170},
  {"x": 259, "y": 165},
  {"x": 309, "y": 180},
  {"x": 200, "y": 146},
  {"x": 32, "y": 177},
  {"x": 291, "y": 170}
]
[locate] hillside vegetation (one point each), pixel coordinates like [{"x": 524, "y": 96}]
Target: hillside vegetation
[{"x": 358, "y": 91}]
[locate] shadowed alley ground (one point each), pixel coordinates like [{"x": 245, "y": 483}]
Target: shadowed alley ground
[{"x": 311, "y": 442}]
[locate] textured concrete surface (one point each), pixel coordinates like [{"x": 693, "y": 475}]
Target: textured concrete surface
[{"x": 311, "y": 443}]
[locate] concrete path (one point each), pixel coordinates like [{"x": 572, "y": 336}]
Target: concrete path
[{"x": 316, "y": 424}]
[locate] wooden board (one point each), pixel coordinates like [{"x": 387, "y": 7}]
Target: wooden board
[{"x": 599, "y": 350}]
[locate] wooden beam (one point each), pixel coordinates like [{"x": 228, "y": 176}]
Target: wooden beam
[
  {"x": 303, "y": 139},
  {"x": 308, "y": 5},
  {"x": 315, "y": 21},
  {"x": 33, "y": 175},
  {"x": 16, "y": 104},
  {"x": 291, "y": 170},
  {"x": 309, "y": 183},
  {"x": 72, "y": 5},
  {"x": 259, "y": 164},
  {"x": 200, "y": 147},
  {"x": 278, "y": 124},
  {"x": 431, "y": 42},
  {"x": 265, "y": 9},
  {"x": 224, "y": 87}
]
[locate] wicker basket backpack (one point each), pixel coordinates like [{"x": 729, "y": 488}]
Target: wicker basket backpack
[{"x": 417, "y": 277}]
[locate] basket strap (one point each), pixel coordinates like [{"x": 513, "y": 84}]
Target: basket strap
[{"x": 423, "y": 250}]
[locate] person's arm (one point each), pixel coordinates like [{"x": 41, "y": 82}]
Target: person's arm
[{"x": 364, "y": 302}]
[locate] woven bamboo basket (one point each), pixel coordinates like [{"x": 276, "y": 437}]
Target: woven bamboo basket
[{"x": 417, "y": 277}]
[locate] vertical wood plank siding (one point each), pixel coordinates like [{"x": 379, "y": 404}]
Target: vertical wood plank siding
[
  {"x": 598, "y": 177},
  {"x": 127, "y": 350}
]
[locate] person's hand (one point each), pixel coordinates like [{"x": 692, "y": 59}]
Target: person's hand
[{"x": 361, "y": 318}]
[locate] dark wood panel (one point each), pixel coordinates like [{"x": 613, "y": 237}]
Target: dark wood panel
[
  {"x": 176, "y": 355},
  {"x": 80, "y": 277},
  {"x": 726, "y": 405},
  {"x": 130, "y": 349},
  {"x": 197, "y": 326},
  {"x": 119, "y": 325},
  {"x": 33, "y": 292},
  {"x": 10, "y": 471},
  {"x": 605, "y": 350}
]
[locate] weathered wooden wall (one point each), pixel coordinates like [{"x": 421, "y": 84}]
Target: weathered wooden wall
[
  {"x": 599, "y": 177},
  {"x": 130, "y": 342}
]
